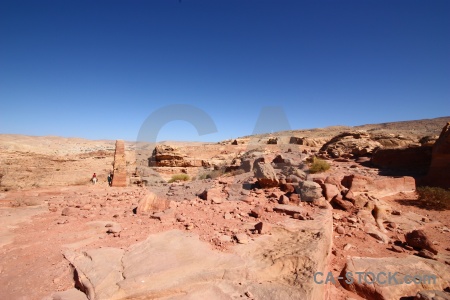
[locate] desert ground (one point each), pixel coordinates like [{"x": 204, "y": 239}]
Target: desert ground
[{"x": 248, "y": 218}]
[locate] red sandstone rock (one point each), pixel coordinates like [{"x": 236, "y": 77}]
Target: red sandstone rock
[
  {"x": 120, "y": 165},
  {"x": 418, "y": 239},
  {"x": 151, "y": 203},
  {"x": 379, "y": 187},
  {"x": 439, "y": 173},
  {"x": 415, "y": 159}
]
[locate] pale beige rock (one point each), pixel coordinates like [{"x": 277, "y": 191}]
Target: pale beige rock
[
  {"x": 410, "y": 265},
  {"x": 71, "y": 294},
  {"x": 288, "y": 209},
  {"x": 331, "y": 191},
  {"x": 380, "y": 187},
  {"x": 174, "y": 261},
  {"x": 374, "y": 232},
  {"x": 265, "y": 174},
  {"x": 432, "y": 295},
  {"x": 150, "y": 203},
  {"x": 241, "y": 238},
  {"x": 98, "y": 270}
]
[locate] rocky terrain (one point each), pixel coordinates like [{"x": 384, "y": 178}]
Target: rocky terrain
[{"x": 253, "y": 221}]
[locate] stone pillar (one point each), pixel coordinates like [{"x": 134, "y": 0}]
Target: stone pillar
[{"x": 120, "y": 165}]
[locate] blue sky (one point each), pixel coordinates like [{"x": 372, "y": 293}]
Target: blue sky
[{"x": 99, "y": 69}]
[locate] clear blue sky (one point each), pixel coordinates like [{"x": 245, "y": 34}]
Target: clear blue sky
[{"x": 98, "y": 69}]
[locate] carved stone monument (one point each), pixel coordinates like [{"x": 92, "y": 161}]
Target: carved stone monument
[{"x": 120, "y": 165}]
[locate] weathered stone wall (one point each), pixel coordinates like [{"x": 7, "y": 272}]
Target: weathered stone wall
[{"x": 120, "y": 165}]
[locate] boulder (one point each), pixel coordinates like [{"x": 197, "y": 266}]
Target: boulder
[
  {"x": 310, "y": 191},
  {"x": 339, "y": 202},
  {"x": 283, "y": 199},
  {"x": 210, "y": 194},
  {"x": 432, "y": 295},
  {"x": 335, "y": 180},
  {"x": 257, "y": 211},
  {"x": 263, "y": 227},
  {"x": 265, "y": 175},
  {"x": 293, "y": 179},
  {"x": 287, "y": 187},
  {"x": 439, "y": 174},
  {"x": 247, "y": 165},
  {"x": 151, "y": 203},
  {"x": 331, "y": 191},
  {"x": 419, "y": 240},
  {"x": 279, "y": 160},
  {"x": 433, "y": 274},
  {"x": 272, "y": 141},
  {"x": 294, "y": 198}
]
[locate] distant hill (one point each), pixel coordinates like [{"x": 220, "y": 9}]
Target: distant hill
[{"x": 415, "y": 128}]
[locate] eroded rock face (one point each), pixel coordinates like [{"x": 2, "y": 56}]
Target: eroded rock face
[
  {"x": 392, "y": 140},
  {"x": 350, "y": 143},
  {"x": 416, "y": 159},
  {"x": 168, "y": 156},
  {"x": 410, "y": 265},
  {"x": 310, "y": 142},
  {"x": 379, "y": 187},
  {"x": 428, "y": 140},
  {"x": 360, "y": 143},
  {"x": 439, "y": 173}
]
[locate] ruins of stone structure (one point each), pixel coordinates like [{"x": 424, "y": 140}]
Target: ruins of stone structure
[{"x": 120, "y": 165}]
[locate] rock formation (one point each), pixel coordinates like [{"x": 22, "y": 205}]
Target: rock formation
[
  {"x": 350, "y": 143},
  {"x": 361, "y": 143},
  {"x": 415, "y": 159},
  {"x": 168, "y": 156},
  {"x": 439, "y": 173},
  {"x": 265, "y": 174},
  {"x": 310, "y": 142},
  {"x": 369, "y": 288},
  {"x": 392, "y": 140},
  {"x": 120, "y": 165},
  {"x": 378, "y": 187}
]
